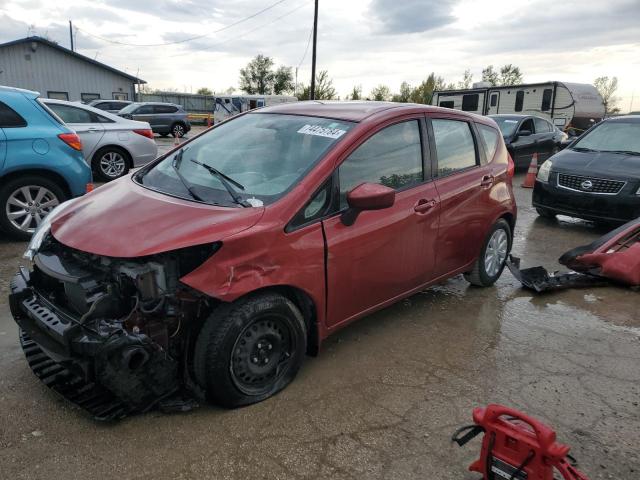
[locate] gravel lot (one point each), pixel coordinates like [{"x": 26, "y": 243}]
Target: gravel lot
[{"x": 383, "y": 397}]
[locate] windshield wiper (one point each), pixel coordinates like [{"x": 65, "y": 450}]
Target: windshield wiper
[
  {"x": 177, "y": 159},
  {"x": 584, "y": 149},
  {"x": 623, "y": 152},
  {"x": 225, "y": 181}
]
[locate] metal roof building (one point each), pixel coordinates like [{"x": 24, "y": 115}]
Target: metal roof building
[{"x": 36, "y": 63}]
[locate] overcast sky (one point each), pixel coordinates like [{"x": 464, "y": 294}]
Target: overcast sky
[{"x": 360, "y": 42}]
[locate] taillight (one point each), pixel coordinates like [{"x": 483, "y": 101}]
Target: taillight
[
  {"x": 145, "y": 133},
  {"x": 90, "y": 187},
  {"x": 511, "y": 169},
  {"x": 71, "y": 139}
]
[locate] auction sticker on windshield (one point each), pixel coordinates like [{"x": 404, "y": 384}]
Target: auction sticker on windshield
[{"x": 322, "y": 131}]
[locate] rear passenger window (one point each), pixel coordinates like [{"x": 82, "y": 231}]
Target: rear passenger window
[
  {"x": 165, "y": 109},
  {"x": 391, "y": 157},
  {"x": 454, "y": 145},
  {"x": 144, "y": 110},
  {"x": 490, "y": 138},
  {"x": 470, "y": 102},
  {"x": 71, "y": 114},
  {"x": 9, "y": 118},
  {"x": 542, "y": 126},
  {"x": 519, "y": 101}
]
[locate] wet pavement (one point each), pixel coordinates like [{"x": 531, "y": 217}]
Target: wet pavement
[{"x": 383, "y": 397}]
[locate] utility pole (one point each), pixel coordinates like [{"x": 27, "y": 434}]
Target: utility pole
[
  {"x": 312, "y": 90},
  {"x": 71, "y": 35}
]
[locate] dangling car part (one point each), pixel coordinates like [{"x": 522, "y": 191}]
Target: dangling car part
[
  {"x": 516, "y": 447},
  {"x": 611, "y": 259}
]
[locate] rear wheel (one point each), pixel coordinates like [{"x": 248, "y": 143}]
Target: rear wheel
[
  {"x": 490, "y": 263},
  {"x": 250, "y": 350},
  {"x": 178, "y": 130},
  {"x": 110, "y": 163},
  {"x": 25, "y": 202}
]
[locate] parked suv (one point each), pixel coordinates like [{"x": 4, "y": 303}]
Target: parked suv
[
  {"x": 41, "y": 162},
  {"x": 164, "y": 118},
  {"x": 246, "y": 247},
  {"x": 111, "y": 106}
]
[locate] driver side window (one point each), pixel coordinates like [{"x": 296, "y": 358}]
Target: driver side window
[
  {"x": 527, "y": 125},
  {"x": 391, "y": 157}
]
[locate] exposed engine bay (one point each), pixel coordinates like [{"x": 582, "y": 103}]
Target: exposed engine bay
[{"x": 115, "y": 326}]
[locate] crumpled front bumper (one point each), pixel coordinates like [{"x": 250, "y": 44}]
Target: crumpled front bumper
[{"x": 100, "y": 367}]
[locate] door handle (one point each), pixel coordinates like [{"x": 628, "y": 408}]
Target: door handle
[
  {"x": 423, "y": 205},
  {"x": 487, "y": 181},
  {"x": 92, "y": 129}
]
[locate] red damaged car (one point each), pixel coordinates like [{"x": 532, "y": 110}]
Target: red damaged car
[{"x": 212, "y": 271}]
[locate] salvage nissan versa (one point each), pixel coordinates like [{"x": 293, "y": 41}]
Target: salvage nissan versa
[{"x": 243, "y": 249}]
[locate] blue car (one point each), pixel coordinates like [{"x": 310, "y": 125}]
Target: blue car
[{"x": 41, "y": 162}]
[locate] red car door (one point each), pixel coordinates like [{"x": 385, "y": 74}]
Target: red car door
[
  {"x": 464, "y": 184},
  {"x": 385, "y": 253}
]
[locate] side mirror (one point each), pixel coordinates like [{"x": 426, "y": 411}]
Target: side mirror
[
  {"x": 524, "y": 133},
  {"x": 367, "y": 196}
]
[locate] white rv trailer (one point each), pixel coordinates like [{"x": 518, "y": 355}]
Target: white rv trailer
[
  {"x": 563, "y": 103},
  {"x": 231, "y": 105}
]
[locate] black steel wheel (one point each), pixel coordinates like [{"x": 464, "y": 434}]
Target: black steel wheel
[{"x": 249, "y": 350}]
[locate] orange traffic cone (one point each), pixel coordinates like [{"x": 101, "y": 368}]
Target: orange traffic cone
[
  {"x": 176, "y": 140},
  {"x": 530, "y": 179}
]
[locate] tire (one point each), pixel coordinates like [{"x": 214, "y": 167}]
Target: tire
[
  {"x": 110, "y": 163},
  {"x": 484, "y": 272},
  {"x": 22, "y": 191},
  {"x": 235, "y": 352},
  {"x": 178, "y": 129},
  {"x": 544, "y": 213}
]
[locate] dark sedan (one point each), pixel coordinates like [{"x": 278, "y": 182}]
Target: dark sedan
[
  {"x": 525, "y": 135},
  {"x": 597, "y": 177}
]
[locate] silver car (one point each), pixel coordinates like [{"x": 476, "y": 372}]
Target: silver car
[{"x": 110, "y": 144}]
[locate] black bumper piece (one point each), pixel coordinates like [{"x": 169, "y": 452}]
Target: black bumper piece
[{"x": 100, "y": 367}]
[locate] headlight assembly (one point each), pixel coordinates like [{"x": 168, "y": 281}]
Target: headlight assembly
[
  {"x": 545, "y": 170},
  {"x": 41, "y": 232}
]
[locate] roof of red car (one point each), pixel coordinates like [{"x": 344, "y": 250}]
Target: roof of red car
[{"x": 354, "y": 111}]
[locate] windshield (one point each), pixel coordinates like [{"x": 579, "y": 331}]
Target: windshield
[
  {"x": 250, "y": 161},
  {"x": 506, "y": 125},
  {"x": 611, "y": 137},
  {"x": 129, "y": 108}
]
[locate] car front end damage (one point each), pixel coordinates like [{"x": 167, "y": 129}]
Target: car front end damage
[{"x": 112, "y": 335}]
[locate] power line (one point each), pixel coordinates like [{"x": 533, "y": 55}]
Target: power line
[
  {"x": 306, "y": 49},
  {"x": 237, "y": 37},
  {"x": 185, "y": 40}
]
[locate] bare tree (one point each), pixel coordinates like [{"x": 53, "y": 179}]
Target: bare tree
[
  {"x": 324, "y": 88},
  {"x": 490, "y": 75},
  {"x": 510, "y": 75},
  {"x": 467, "y": 80},
  {"x": 607, "y": 88}
]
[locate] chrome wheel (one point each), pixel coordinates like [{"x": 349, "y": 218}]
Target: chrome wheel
[
  {"x": 27, "y": 206},
  {"x": 496, "y": 252},
  {"x": 178, "y": 130},
  {"x": 113, "y": 164}
]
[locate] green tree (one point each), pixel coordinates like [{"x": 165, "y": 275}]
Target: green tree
[
  {"x": 467, "y": 80},
  {"x": 607, "y": 88},
  {"x": 204, "y": 91},
  {"x": 381, "y": 93},
  {"x": 423, "y": 93},
  {"x": 324, "y": 88},
  {"x": 258, "y": 77},
  {"x": 405, "y": 93},
  {"x": 510, "y": 75},
  {"x": 283, "y": 82},
  {"x": 356, "y": 93},
  {"x": 490, "y": 75}
]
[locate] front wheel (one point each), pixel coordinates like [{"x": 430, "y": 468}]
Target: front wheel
[
  {"x": 178, "y": 130},
  {"x": 491, "y": 262},
  {"x": 250, "y": 350}
]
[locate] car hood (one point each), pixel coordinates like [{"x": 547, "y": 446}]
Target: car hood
[
  {"x": 124, "y": 219},
  {"x": 610, "y": 165}
]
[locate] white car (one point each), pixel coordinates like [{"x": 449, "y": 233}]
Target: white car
[{"x": 111, "y": 144}]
